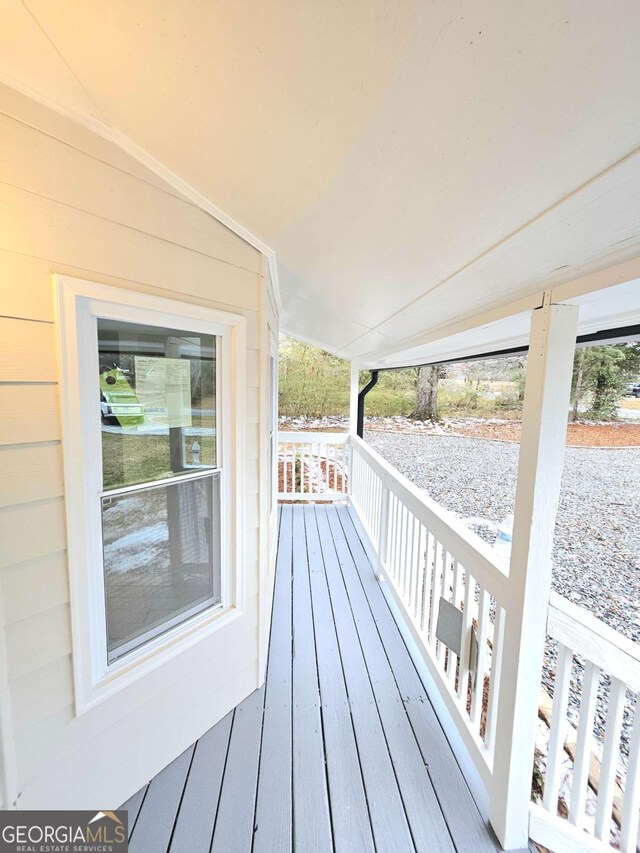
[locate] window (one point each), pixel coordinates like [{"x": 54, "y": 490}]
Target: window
[
  {"x": 160, "y": 523},
  {"x": 152, "y": 404}
]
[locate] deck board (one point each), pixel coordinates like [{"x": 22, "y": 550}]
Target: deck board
[
  {"x": 312, "y": 821},
  {"x": 133, "y": 806},
  {"x": 340, "y": 750},
  {"x": 196, "y": 817},
  {"x": 470, "y": 834},
  {"x": 157, "y": 816},
  {"x": 428, "y": 827},
  {"x": 273, "y": 822},
  {"x": 389, "y": 822},
  {"x": 349, "y": 810},
  {"x": 233, "y": 829}
]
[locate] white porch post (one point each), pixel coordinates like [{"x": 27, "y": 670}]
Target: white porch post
[
  {"x": 353, "y": 398},
  {"x": 544, "y": 426}
]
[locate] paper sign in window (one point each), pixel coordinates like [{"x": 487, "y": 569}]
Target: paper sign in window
[{"x": 163, "y": 386}]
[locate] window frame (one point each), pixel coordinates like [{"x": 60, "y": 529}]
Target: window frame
[{"x": 78, "y": 304}]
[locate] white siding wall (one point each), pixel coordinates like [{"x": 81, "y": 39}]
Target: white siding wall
[{"x": 72, "y": 203}]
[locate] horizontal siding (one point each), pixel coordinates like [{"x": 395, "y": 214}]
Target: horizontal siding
[
  {"x": 26, "y": 290},
  {"x": 74, "y": 204},
  {"x": 17, "y": 106},
  {"x": 32, "y": 225},
  {"x": 41, "y": 693},
  {"x": 86, "y": 183},
  {"x": 61, "y": 736},
  {"x": 27, "y": 353},
  {"x": 25, "y": 287},
  {"x": 34, "y": 586},
  {"x": 32, "y": 530},
  {"x": 30, "y": 472},
  {"x": 29, "y": 413},
  {"x": 143, "y": 737},
  {"x": 41, "y": 639}
]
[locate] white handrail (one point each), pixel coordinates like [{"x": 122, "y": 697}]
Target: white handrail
[
  {"x": 313, "y": 437},
  {"x": 587, "y": 635},
  {"x": 447, "y": 527},
  {"x": 312, "y": 466}
]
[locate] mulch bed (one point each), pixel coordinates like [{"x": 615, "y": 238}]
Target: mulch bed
[{"x": 578, "y": 435}]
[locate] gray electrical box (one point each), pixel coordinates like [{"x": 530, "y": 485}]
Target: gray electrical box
[
  {"x": 449, "y": 626},
  {"x": 449, "y": 631}
]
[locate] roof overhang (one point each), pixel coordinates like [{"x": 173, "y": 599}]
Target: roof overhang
[{"x": 420, "y": 171}]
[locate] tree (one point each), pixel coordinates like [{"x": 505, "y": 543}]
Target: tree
[
  {"x": 599, "y": 377},
  {"x": 578, "y": 378},
  {"x": 427, "y": 393}
]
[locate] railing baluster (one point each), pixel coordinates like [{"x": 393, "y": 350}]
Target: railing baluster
[
  {"x": 396, "y": 537},
  {"x": 286, "y": 468},
  {"x": 403, "y": 550},
  {"x": 494, "y": 680},
  {"x": 444, "y": 556},
  {"x": 583, "y": 745},
  {"x": 558, "y": 728},
  {"x": 435, "y": 588},
  {"x": 457, "y": 583},
  {"x": 311, "y": 486},
  {"x": 417, "y": 571},
  {"x": 405, "y": 561},
  {"x": 426, "y": 582},
  {"x": 483, "y": 630},
  {"x": 631, "y": 804},
  {"x": 467, "y": 621},
  {"x": 375, "y": 510},
  {"x": 452, "y": 658},
  {"x": 412, "y": 564},
  {"x": 383, "y": 535},
  {"x": 610, "y": 752}
]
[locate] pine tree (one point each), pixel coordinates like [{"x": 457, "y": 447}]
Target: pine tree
[{"x": 599, "y": 378}]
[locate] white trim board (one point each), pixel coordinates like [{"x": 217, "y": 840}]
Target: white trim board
[{"x": 78, "y": 303}]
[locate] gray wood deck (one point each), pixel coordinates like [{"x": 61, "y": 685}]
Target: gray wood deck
[{"x": 340, "y": 750}]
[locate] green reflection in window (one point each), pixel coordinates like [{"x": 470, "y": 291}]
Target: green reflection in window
[{"x": 157, "y": 402}]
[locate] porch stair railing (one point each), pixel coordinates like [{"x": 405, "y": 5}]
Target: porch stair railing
[{"x": 432, "y": 562}]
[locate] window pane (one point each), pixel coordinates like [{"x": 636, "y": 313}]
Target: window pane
[
  {"x": 157, "y": 402},
  {"x": 161, "y": 558}
]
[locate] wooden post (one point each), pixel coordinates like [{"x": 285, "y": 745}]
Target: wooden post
[{"x": 544, "y": 428}]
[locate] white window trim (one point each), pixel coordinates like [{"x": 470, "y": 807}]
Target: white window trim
[{"x": 78, "y": 304}]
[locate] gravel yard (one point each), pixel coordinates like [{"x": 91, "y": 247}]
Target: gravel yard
[
  {"x": 596, "y": 552},
  {"x": 596, "y": 555}
]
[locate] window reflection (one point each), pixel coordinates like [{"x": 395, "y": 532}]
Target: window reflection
[
  {"x": 157, "y": 402},
  {"x": 161, "y": 559}
]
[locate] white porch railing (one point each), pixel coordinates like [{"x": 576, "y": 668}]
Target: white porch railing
[
  {"x": 604, "y": 656},
  {"x": 428, "y": 556},
  {"x": 312, "y": 466}
]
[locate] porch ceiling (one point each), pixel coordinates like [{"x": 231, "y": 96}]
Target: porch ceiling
[{"x": 412, "y": 164}]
